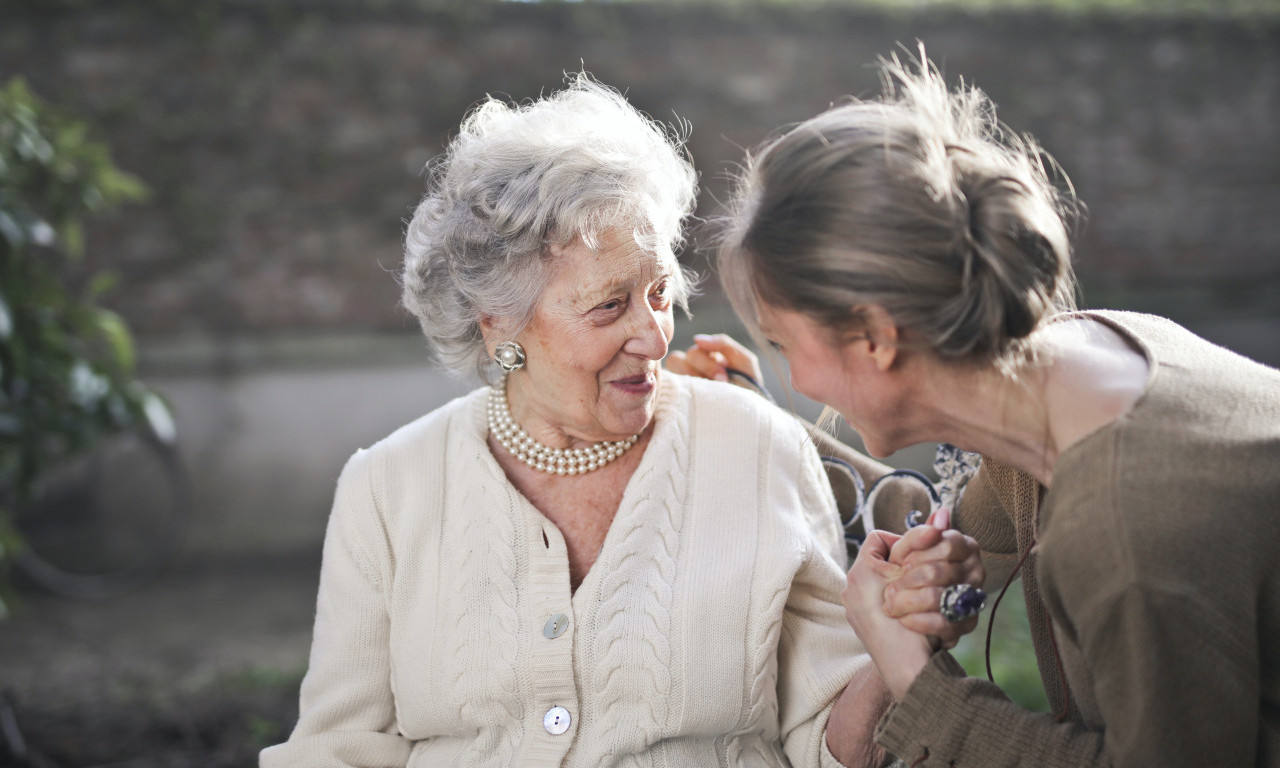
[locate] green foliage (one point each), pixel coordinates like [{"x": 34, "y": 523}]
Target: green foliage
[
  {"x": 1013, "y": 658},
  {"x": 66, "y": 363}
]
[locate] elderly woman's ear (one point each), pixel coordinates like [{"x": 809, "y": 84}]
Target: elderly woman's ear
[{"x": 495, "y": 331}]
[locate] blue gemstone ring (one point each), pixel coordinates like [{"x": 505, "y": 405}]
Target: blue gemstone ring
[{"x": 961, "y": 601}]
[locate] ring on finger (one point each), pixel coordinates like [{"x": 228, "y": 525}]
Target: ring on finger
[{"x": 961, "y": 601}]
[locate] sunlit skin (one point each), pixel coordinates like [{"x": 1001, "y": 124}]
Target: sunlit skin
[{"x": 595, "y": 344}]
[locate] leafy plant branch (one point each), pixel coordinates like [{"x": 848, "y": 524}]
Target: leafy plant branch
[{"x": 67, "y": 364}]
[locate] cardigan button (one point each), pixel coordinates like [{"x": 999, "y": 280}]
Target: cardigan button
[
  {"x": 555, "y": 626},
  {"x": 556, "y": 721}
]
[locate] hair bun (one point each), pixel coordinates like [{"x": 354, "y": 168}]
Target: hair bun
[
  {"x": 920, "y": 202},
  {"x": 1014, "y": 254}
]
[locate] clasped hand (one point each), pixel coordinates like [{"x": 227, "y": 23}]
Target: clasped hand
[{"x": 893, "y": 592}]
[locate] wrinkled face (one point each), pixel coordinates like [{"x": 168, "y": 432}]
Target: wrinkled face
[
  {"x": 844, "y": 375},
  {"x": 595, "y": 343}
]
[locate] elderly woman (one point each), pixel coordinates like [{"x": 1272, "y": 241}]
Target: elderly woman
[
  {"x": 590, "y": 562},
  {"x": 910, "y": 259}
]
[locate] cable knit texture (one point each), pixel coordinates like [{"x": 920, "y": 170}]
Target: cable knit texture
[
  {"x": 709, "y": 631},
  {"x": 1154, "y": 573}
]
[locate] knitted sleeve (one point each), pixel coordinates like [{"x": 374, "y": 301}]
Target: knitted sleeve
[
  {"x": 984, "y": 514},
  {"x": 1174, "y": 665},
  {"x": 947, "y": 719},
  {"x": 820, "y": 507},
  {"x": 347, "y": 710},
  {"x": 818, "y": 653},
  {"x": 1174, "y": 683}
]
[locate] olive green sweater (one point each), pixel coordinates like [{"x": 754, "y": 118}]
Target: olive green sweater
[{"x": 1153, "y": 586}]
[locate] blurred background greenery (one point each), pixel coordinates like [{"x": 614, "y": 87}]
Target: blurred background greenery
[
  {"x": 67, "y": 363},
  {"x": 1013, "y": 659}
]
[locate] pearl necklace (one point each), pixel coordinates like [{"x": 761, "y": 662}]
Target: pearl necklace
[{"x": 555, "y": 461}]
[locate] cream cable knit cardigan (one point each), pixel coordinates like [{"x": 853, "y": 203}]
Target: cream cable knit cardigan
[{"x": 709, "y": 632}]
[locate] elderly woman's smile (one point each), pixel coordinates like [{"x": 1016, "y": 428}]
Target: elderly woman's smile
[
  {"x": 595, "y": 343},
  {"x": 641, "y": 384}
]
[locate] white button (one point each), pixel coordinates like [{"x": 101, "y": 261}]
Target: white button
[
  {"x": 555, "y": 626},
  {"x": 556, "y": 721}
]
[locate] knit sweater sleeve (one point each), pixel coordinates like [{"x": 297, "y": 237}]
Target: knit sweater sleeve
[
  {"x": 818, "y": 653},
  {"x": 1127, "y": 548},
  {"x": 1175, "y": 678},
  {"x": 347, "y": 710},
  {"x": 984, "y": 512},
  {"x": 948, "y": 719},
  {"x": 818, "y": 656}
]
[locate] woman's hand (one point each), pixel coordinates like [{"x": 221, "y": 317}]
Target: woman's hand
[
  {"x": 899, "y": 652},
  {"x": 710, "y": 357},
  {"x": 932, "y": 557}
]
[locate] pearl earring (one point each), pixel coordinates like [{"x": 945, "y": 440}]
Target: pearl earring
[{"x": 509, "y": 356}]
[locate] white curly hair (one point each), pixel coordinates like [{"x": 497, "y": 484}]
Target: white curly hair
[{"x": 522, "y": 179}]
